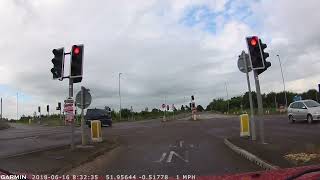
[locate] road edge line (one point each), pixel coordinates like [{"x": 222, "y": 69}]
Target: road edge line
[{"x": 251, "y": 157}]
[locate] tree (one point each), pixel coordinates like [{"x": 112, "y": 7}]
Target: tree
[
  {"x": 200, "y": 108},
  {"x": 154, "y": 110}
]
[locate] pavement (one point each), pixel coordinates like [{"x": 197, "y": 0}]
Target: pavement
[{"x": 286, "y": 144}]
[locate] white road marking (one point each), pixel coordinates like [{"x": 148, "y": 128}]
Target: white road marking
[
  {"x": 181, "y": 142},
  {"x": 162, "y": 157},
  {"x": 174, "y": 153}
]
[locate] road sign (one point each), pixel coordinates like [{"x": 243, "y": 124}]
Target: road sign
[
  {"x": 241, "y": 63},
  {"x": 69, "y": 109},
  {"x": 87, "y": 99}
]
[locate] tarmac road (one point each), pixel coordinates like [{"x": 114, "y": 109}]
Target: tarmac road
[
  {"x": 181, "y": 147},
  {"x": 164, "y": 148}
]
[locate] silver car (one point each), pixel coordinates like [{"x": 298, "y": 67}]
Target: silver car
[{"x": 304, "y": 110}]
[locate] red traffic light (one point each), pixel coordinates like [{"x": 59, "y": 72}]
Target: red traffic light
[
  {"x": 76, "y": 50},
  {"x": 254, "y": 41}
]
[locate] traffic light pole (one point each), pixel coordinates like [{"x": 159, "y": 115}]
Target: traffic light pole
[
  {"x": 252, "y": 123},
  {"x": 72, "y": 123},
  {"x": 83, "y": 136},
  {"x": 260, "y": 107},
  {"x": 60, "y": 117}
]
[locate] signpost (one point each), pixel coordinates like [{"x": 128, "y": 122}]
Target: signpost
[
  {"x": 86, "y": 98},
  {"x": 245, "y": 68},
  {"x": 164, "y": 112},
  {"x": 69, "y": 110},
  {"x": 83, "y": 101},
  {"x": 173, "y": 109}
]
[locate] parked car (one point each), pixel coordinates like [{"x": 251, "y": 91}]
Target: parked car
[
  {"x": 98, "y": 114},
  {"x": 304, "y": 110}
]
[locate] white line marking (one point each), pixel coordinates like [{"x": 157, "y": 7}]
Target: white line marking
[
  {"x": 181, "y": 142},
  {"x": 162, "y": 157},
  {"x": 174, "y": 153}
]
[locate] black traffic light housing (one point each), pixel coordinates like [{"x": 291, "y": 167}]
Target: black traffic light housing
[
  {"x": 47, "y": 108},
  {"x": 254, "y": 50},
  {"x": 76, "y": 68},
  {"x": 265, "y": 55},
  {"x": 59, "y": 106},
  {"x": 192, "y": 98},
  {"x": 58, "y": 63}
]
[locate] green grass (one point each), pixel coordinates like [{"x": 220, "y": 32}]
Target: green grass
[
  {"x": 55, "y": 120},
  {"x": 255, "y": 110}
]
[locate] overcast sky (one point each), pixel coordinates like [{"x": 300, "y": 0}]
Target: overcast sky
[{"x": 171, "y": 48}]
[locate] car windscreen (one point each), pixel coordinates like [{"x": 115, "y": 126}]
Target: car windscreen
[
  {"x": 94, "y": 113},
  {"x": 311, "y": 104}
]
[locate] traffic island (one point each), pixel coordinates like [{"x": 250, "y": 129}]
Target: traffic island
[
  {"x": 278, "y": 152},
  {"x": 57, "y": 160}
]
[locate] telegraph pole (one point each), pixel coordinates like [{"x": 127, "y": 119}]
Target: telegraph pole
[
  {"x": 17, "y": 107},
  {"x": 1, "y": 108},
  {"x": 120, "y": 96},
  {"x": 227, "y": 95}
]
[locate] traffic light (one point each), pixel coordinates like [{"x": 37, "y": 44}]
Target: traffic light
[
  {"x": 76, "y": 63},
  {"x": 47, "y": 108},
  {"x": 59, "y": 106},
  {"x": 58, "y": 63},
  {"x": 265, "y": 55},
  {"x": 192, "y": 98},
  {"x": 255, "y": 53},
  {"x": 168, "y": 108},
  {"x": 39, "y": 109}
]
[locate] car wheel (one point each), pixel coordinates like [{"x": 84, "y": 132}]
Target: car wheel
[
  {"x": 291, "y": 120},
  {"x": 310, "y": 119}
]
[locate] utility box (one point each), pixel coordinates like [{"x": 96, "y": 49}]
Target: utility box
[
  {"x": 96, "y": 135},
  {"x": 244, "y": 125}
]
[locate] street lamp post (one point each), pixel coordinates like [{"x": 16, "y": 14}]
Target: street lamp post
[
  {"x": 17, "y": 107},
  {"x": 284, "y": 85},
  {"x": 227, "y": 95},
  {"x": 119, "y": 97}
]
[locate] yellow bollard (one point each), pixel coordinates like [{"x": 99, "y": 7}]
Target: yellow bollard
[
  {"x": 244, "y": 125},
  {"x": 96, "y": 135}
]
